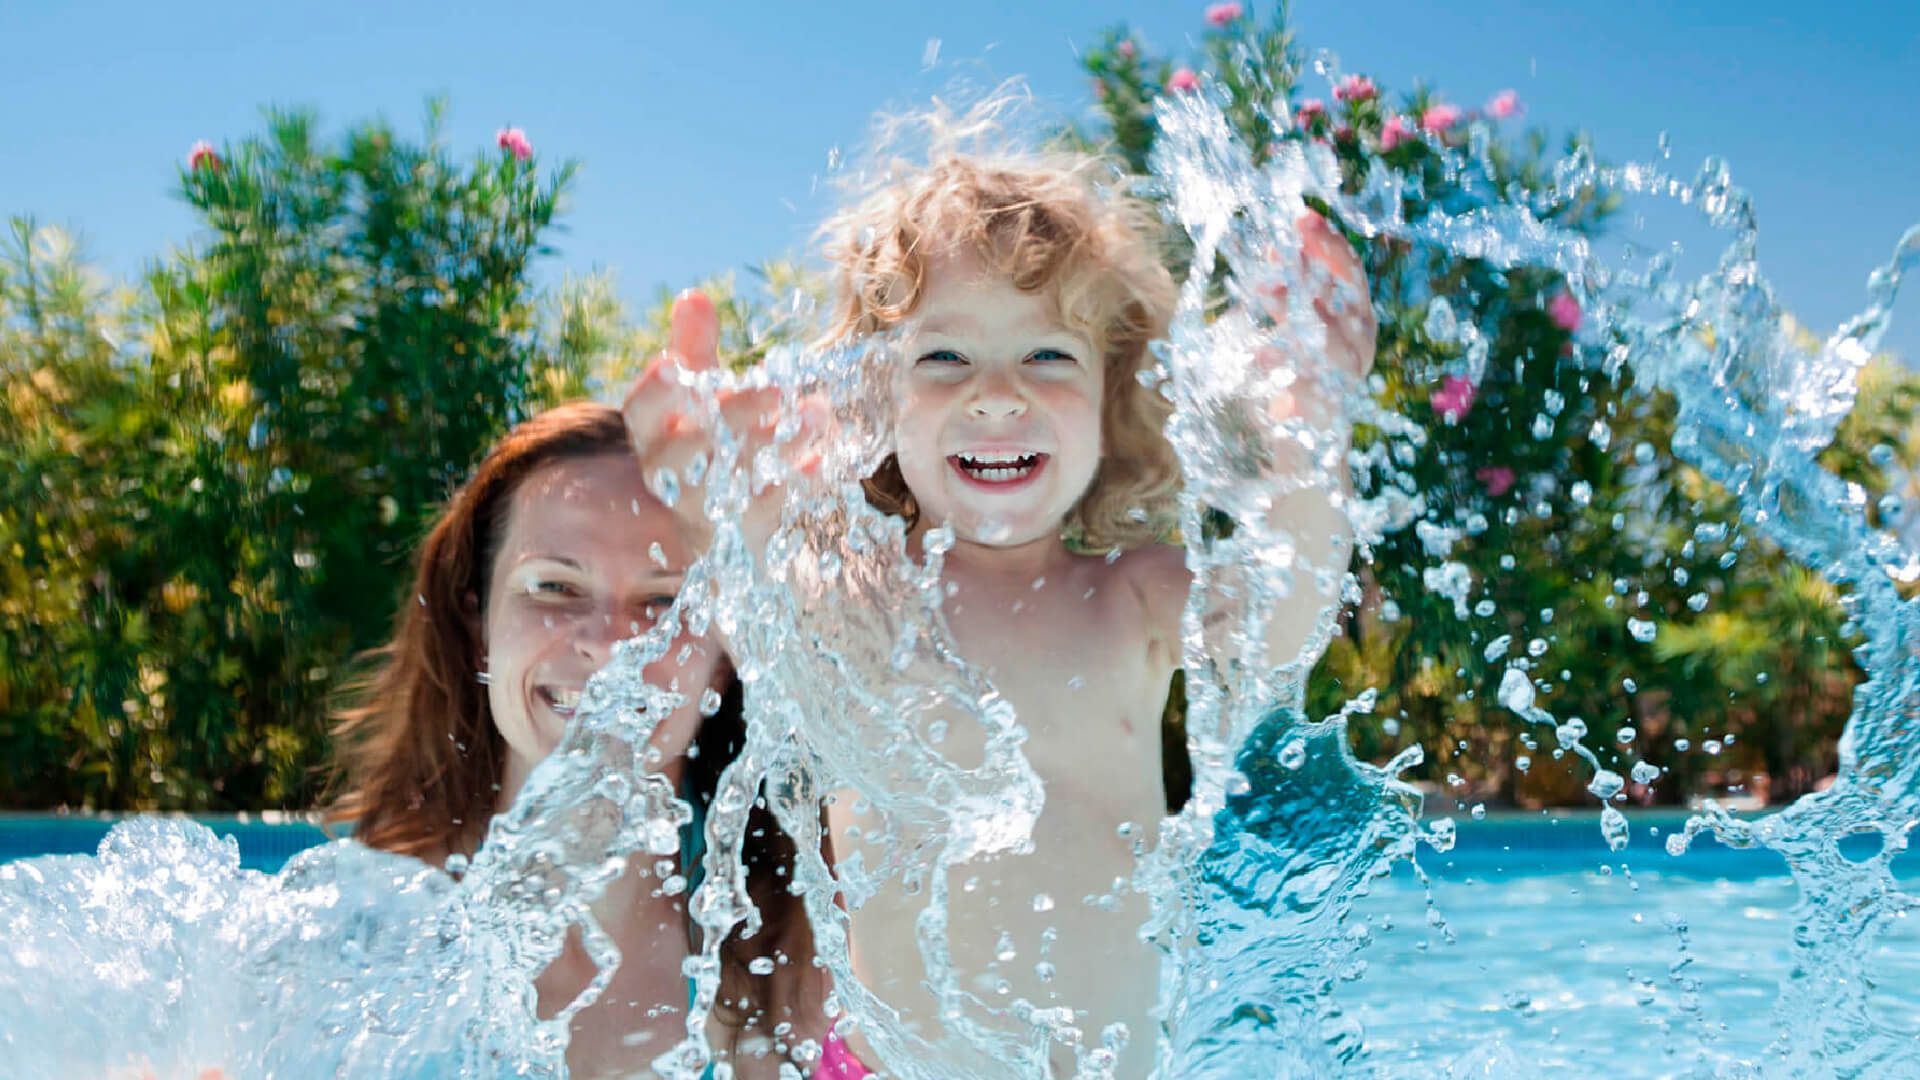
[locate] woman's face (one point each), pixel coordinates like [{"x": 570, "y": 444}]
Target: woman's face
[{"x": 588, "y": 559}]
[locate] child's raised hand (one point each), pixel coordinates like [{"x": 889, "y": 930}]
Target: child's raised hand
[
  {"x": 1337, "y": 286},
  {"x": 670, "y": 437}
]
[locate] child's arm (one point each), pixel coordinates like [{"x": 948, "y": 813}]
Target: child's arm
[{"x": 1315, "y": 516}]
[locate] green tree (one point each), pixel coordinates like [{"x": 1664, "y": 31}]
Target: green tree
[
  {"x": 212, "y": 517},
  {"x": 1545, "y": 480}
]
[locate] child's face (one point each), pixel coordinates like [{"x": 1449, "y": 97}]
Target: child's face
[
  {"x": 999, "y": 425},
  {"x": 573, "y": 575}
]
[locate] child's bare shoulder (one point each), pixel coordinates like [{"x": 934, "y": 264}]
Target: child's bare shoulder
[{"x": 1156, "y": 574}]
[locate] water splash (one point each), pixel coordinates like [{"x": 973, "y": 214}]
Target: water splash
[{"x": 161, "y": 952}]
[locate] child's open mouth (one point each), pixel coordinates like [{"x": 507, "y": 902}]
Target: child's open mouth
[{"x": 997, "y": 470}]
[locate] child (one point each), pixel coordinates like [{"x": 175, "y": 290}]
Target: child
[{"x": 1025, "y": 299}]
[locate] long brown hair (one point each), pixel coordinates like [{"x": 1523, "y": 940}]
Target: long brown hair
[{"x": 418, "y": 759}]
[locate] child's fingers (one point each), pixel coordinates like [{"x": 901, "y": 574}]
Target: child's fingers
[
  {"x": 650, "y": 406},
  {"x": 695, "y": 338},
  {"x": 1321, "y": 245},
  {"x": 749, "y": 412}
]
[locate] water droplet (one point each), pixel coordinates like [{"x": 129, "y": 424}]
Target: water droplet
[
  {"x": 1643, "y": 630},
  {"x": 761, "y": 965},
  {"x": 1003, "y": 949},
  {"x": 1497, "y": 648},
  {"x": 1479, "y": 812},
  {"x": 666, "y": 487},
  {"x": 709, "y": 701},
  {"x": 1613, "y": 826},
  {"x": 1625, "y": 736},
  {"x": 1711, "y": 746},
  {"x": 1516, "y": 691},
  {"x": 657, "y": 553},
  {"x": 1042, "y": 902},
  {"x": 1682, "y": 745},
  {"x": 1606, "y": 784},
  {"x": 1600, "y": 434},
  {"x": 1645, "y": 772},
  {"x": 1292, "y": 755},
  {"x": 1441, "y": 326}
]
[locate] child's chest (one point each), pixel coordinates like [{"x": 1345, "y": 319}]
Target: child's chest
[{"x": 1075, "y": 660}]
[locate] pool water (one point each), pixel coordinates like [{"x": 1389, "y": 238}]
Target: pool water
[
  {"x": 1529, "y": 949},
  {"x": 266, "y": 841},
  {"x": 1545, "y": 955}
]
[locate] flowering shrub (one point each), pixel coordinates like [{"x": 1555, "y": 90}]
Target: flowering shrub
[
  {"x": 1543, "y": 482},
  {"x": 212, "y": 487}
]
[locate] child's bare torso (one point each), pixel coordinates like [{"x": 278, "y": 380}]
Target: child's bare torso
[{"x": 1084, "y": 653}]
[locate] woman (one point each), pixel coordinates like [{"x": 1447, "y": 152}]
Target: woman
[{"x": 552, "y": 552}]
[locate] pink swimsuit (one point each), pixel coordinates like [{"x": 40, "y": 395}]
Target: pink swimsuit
[{"x": 837, "y": 1062}]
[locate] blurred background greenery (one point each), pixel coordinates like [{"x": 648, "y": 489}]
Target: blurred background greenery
[{"x": 212, "y": 476}]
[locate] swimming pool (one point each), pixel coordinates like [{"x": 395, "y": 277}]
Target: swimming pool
[
  {"x": 1542, "y": 953},
  {"x": 1552, "y": 956},
  {"x": 266, "y": 840}
]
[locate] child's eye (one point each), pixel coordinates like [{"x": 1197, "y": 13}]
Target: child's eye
[
  {"x": 1050, "y": 356},
  {"x": 942, "y": 356},
  {"x": 657, "y": 606},
  {"x": 552, "y": 588}
]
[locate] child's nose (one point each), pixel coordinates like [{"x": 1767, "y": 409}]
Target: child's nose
[{"x": 997, "y": 398}]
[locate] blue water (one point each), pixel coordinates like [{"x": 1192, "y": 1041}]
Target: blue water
[
  {"x": 265, "y": 844},
  {"x": 1528, "y": 948}
]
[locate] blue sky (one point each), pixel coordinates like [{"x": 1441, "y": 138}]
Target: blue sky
[{"x": 704, "y": 127}]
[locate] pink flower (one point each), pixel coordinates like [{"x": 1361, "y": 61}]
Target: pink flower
[
  {"x": 1222, "y": 15},
  {"x": 1126, "y": 49},
  {"x": 514, "y": 141},
  {"x": 1506, "y": 103},
  {"x": 1100, "y": 89},
  {"x": 1454, "y": 398},
  {"x": 203, "y": 157},
  {"x": 1343, "y": 133},
  {"x": 1564, "y": 310},
  {"x": 1183, "y": 80},
  {"x": 1310, "y": 110},
  {"x": 1438, "y": 118},
  {"x": 1394, "y": 132},
  {"x": 1498, "y": 479},
  {"x": 1355, "y": 88}
]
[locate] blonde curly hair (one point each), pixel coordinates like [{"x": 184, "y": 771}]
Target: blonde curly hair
[{"x": 1049, "y": 226}]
